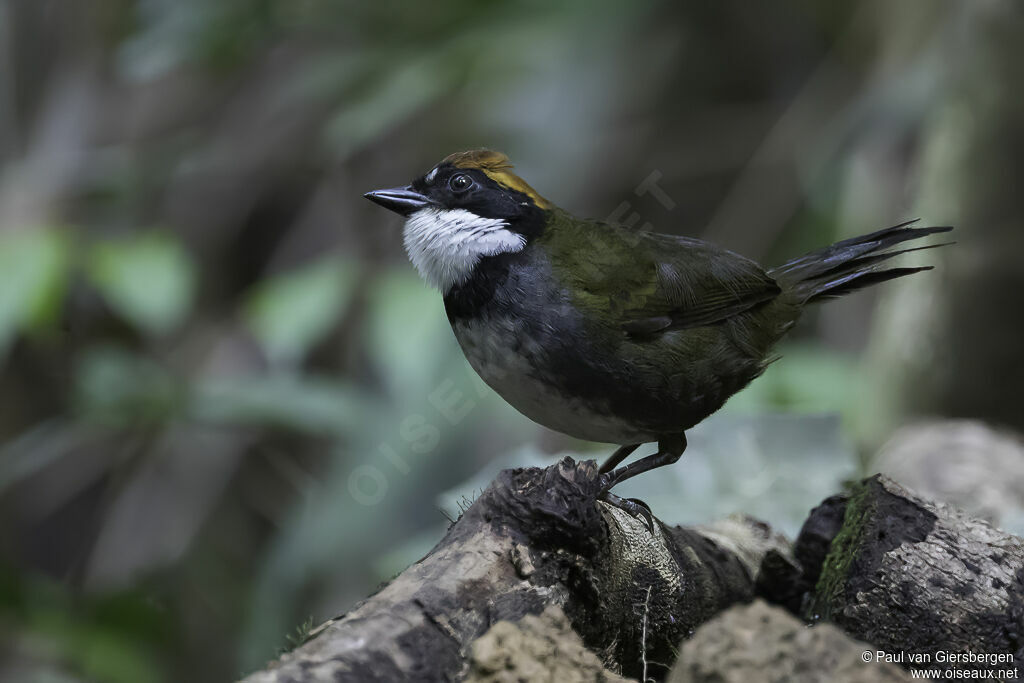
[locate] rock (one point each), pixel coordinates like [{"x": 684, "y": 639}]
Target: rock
[
  {"x": 759, "y": 642},
  {"x": 961, "y": 462},
  {"x": 541, "y": 649}
]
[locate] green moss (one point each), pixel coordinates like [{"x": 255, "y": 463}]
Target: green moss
[
  {"x": 297, "y": 637},
  {"x": 843, "y": 551}
]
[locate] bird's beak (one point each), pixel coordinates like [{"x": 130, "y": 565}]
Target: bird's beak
[{"x": 401, "y": 200}]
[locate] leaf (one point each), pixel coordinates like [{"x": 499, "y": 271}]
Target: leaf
[
  {"x": 306, "y": 404},
  {"x": 115, "y": 637},
  {"x": 291, "y": 312},
  {"x": 34, "y": 264},
  {"x": 120, "y": 387},
  {"x": 408, "y": 335},
  {"x": 391, "y": 98},
  {"x": 148, "y": 279},
  {"x": 806, "y": 379}
]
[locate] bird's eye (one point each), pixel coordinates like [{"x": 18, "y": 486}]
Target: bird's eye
[{"x": 460, "y": 182}]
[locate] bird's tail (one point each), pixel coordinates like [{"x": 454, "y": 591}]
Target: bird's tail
[{"x": 852, "y": 264}]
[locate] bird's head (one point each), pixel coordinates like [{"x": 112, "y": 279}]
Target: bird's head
[{"x": 468, "y": 207}]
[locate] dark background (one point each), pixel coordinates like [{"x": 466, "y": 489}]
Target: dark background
[{"x": 228, "y": 405}]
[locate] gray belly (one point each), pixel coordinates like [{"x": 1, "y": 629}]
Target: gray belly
[{"x": 517, "y": 365}]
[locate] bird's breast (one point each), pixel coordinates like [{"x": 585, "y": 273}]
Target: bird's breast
[{"x": 523, "y": 361}]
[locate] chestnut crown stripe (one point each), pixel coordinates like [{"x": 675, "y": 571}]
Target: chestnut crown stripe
[{"x": 498, "y": 168}]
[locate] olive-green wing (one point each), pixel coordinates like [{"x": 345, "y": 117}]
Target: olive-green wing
[{"x": 650, "y": 283}]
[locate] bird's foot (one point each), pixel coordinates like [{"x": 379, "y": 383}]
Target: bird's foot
[{"x": 632, "y": 506}]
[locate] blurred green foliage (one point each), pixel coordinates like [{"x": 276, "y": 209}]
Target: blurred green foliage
[
  {"x": 148, "y": 279},
  {"x": 120, "y": 388},
  {"x": 215, "y": 427},
  {"x": 117, "y": 638},
  {"x": 35, "y": 269},
  {"x": 807, "y": 378},
  {"x": 289, "y": 313}
]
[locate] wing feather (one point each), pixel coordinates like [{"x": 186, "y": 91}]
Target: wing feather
[{"x": 651, "y": 283}]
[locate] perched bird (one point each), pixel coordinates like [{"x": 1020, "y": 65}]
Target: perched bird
[{"x": 604, "y": 333}]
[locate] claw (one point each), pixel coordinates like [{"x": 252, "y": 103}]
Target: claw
[{"x": 632, "y": 506}]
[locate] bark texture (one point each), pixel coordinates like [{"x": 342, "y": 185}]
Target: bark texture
[
  {"x": 537, "y": 581},
  {"x": 537, "y": 538},
  {"x": 909, "y": 575}
]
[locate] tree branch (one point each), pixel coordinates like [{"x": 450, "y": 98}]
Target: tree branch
[{"x": 537, "y": 538}]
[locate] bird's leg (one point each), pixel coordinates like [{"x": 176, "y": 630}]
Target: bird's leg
[
  {"x": 669, "y": 451},
  {"x": 620, "y": 454}
]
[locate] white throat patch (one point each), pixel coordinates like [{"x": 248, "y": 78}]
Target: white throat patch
[{"x": 446, "y": 244}]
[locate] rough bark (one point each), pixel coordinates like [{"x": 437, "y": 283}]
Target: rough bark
[
  {"x": 908, "y": 575},
  {"x": 536, "y": 538}
]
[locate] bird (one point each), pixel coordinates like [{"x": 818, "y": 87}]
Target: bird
[{"x": 606, "y": 333}]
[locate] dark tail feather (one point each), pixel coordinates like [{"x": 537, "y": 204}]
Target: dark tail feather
[{"x": 852, "y": 264}]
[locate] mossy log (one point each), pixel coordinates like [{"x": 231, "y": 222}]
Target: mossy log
[
  {"x": 538, "y": 538},
  {"x": 912, "y": 576}
]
